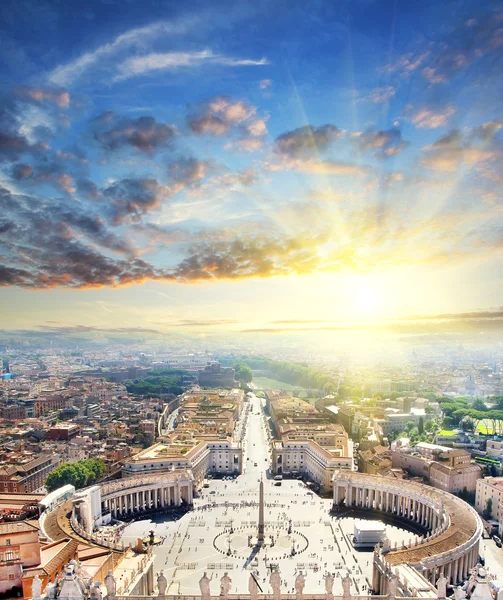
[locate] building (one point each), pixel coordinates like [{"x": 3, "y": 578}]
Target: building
[
  {"x": 310, "y": 459},
  {"x": 490, "y": 488},
  {"x": 398, "y": 421},
  {"x": 13, "y": 412},
  {"x": 448, "y": 469},
  {"x": 214, "y": 375},
  {"x": 19, "y": 549},
  {"x": 494, "y": 449},
  {"x": 200, "y": 458},
  {"x": 63, "y": 431},
  {"x": 48, "y": 404},
  {"x": 25, "y": 472}
]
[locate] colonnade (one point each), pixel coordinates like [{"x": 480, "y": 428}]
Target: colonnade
[
  {"x": 142, "y": 494},
  {"x": 454, "y": 529},
  {"x": 416, "y": 508}
]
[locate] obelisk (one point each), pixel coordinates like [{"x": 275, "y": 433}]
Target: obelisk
[{"x": 260, "y": 537}]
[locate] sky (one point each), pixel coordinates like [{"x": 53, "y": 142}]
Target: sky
[{"x": 254, "y": 166}]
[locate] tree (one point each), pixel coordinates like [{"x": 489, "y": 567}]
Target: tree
[
  {"x": 420, "y": 426},
  {"x": 487, "y": 512},
  {"x": 79, "y": 474},
  {"x": 428, "y": 426},
  {"x": 479, "y": 404},
  {"x": 410, "y": 426},
  {"x": 243, "y": 373}
]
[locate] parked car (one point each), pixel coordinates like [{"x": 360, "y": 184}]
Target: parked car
[{"x": 497, "y": 541}]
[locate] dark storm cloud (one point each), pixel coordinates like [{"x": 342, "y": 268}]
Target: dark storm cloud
[
  {"x": 130, "y": 199},
  {"x": 144, "y": 134},
  {"x": 306, "y": 141},
  {"x": 51, "y": 245}
]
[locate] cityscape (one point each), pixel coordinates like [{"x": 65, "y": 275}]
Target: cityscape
[{"x": 251, "y": 325}]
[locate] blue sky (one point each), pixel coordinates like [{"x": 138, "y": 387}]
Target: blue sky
[{"x": 175, "y": 161}]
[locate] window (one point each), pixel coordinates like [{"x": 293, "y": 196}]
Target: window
[
  {"x": 9, "y": 555},
  {"x": 7, "y": 542}
]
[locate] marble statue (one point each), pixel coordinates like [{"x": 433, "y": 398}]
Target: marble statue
[
  {"x": 346, "y": 586},
  {"x": 300, "y": 582},
  {"x": 95, "y": 592},
  {"x": 225, "y": 585},
  {"x": 459, "y": 593},
  {"x": 110, "y": 585},
  {"x": 275, "y": 582},
  {"x": 392, "y": 586},
  {"x": 204, "y": 586},
  {"x": 50, "y": 590},
  {"x": 253, "y": 587},
  {"x": 329, "y": 585},
  {"x": 36, "y": 588},
  {"x": 162, "y": 584},
  {"x": 442, "y": 586},
  {"x": 499, "y": 595}
]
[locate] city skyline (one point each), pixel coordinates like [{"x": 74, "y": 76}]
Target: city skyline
[{"x": 254, "y": 168}]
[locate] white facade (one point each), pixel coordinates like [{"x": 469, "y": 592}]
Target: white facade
[
  {"x": 309, "y": 458},
  {"x": 88, "y": 506}
]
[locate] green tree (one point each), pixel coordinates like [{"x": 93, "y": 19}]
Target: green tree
[
  {"x": 79, "y": 474},
  {"x": 243, "y": 373},
  {"x": 420, "y": 426},
  {"x": 488, "y": 510},
  {"x": 479, "y": 404}
]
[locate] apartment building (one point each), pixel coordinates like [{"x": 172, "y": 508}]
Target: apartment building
[
  {"x": 25, "y": 472},
  {"x": 490, "y": 488}
]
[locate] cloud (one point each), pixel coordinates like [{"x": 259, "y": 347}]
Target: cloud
[
  {"x": 381, "y": 95},
  {"x": 407, "y": 64},
  {"x": 130, "y": 199},
  {"x": 265, "y": 83},
  {"x": 221, "y": 114},
  {"x": 330, "y": 167},
  {"x": 66, "y": 183},
  {"x": 209, "y": 323},
  {"x": 256, "y": 128},
  {"x": 306, "y": 141},
  {"x": 430, "y": 118},
  {"x": 144, "y": 65},
  {"x": 188, "y": 171},
  {"x": 475, "y": 39},
  {"x": 22, "y": 171},
  {"x": 382, "y": 144},
  {"x": 60, "y": 98},
  {"x": 248, "y": 144},
  {"x": 209, "y": 124},
  {"x": 65, "y": 75},
  {"x": 144, "y": 134},
  {"x": 455, "y": 150}
]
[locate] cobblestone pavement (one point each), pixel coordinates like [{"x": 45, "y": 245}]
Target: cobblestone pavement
[{"x": 189, "y": 547}]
